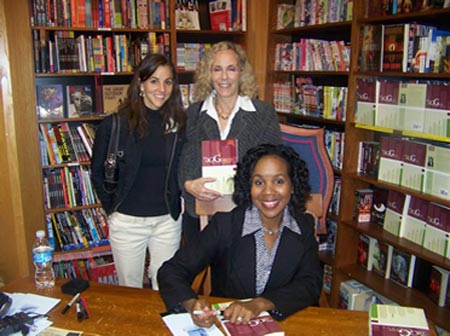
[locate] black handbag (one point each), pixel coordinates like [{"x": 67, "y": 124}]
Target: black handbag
[{"x": 111, "y": 180}]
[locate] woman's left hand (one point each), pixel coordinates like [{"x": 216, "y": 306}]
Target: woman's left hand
[{"x": 240, "y": 312}]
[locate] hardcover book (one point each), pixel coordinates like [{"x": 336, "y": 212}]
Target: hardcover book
[
  {"x": 50, "y": 101},
  {"x": 391, "y": 159},
  {"x": 371, "y": 48},
  {"x": 261, "y": 325},
  {"x": 368, "y": 158},
  {"x": 114, "y": 95},
  {"x": 411, "y": 103},
  {"x": 393, "y": 47},
  {"x": 388, "y": 112},
  {"x": 219, "y": 160},
  {"x": 220, "y": 15},
  {"x": 364, "y": 247},
  {"x": 363, "y": 204},
  {"x": 380, "y": 258},
  {"x": 79, "y": 101},
  {"x": 367, "y": 103},
  {"x": 390, "y": 320},
  {"x": 439, "y": 288},
  {"x": 437, "y": 180},
  {"x": 437, "y": 110},
  {"x": 437, "y": 230},
  {"x": 402, "y": 267}
]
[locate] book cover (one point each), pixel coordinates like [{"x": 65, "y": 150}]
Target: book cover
[
  {"x": 379, "y": 205},
  {"x": 363, "y": 204},
  {"x": 220, "y": 15},
  {"x": 350, "y": 292},
  {"x": 364, "y": 246},
  {"x": 50, "y": 102},
  {"x": 368, "y": 158},
  {"x": 438, "y": 287},
  {"x": 80, "y": 101},
  {"x": 437, "y": 109},
  {"x": 285, "y": 16},
  {"x": 390, "y": 320},
  {"x": 393, "y": 47},
  {"x": 391, "y": 159},
  {"x": 113, "y": 96},
  {"x": 397, "y": 205},
  {"x": 437, "y": 230},
  {"x": 437, "y": 178},
  {"x": 219, "y": 160},
  {"x": 387, "y": 111},
  {"x": 381, "y": 258},
  {"x": 371, "y": 48},
  {"x": 413, "y": 223},
  {"x": 261, "y": 325},
  {"x": 366, "y": 104},
  {"x": 402, "y": 267},
  {"x": 411, "y": 108}
]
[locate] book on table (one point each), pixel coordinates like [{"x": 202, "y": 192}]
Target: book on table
[
  {"x": 219, "y": 160},
  {"x": 261, "y": 325},
  {"x": 387, "y": 320}
]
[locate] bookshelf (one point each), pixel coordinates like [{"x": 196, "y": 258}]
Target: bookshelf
[
  {"x": 111, "y": 46},
  {"x": 344, "y": 262}
]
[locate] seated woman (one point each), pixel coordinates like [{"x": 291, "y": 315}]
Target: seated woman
[{"x": 264, "y": 249}]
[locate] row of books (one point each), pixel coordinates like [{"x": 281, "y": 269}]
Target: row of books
[
  {"x": 301, "y": 96},
  {"x": 408, "y": 106},
  {"x": 190, "y": 54},
  {"x": 98, "y": 269},
  {"x": 78, "y": 229},
  {"x": 413, "y": 164},
  {"x": 56, "y": 101},
  {"x": 312, "y": 55},
  {"x": 327, "y": 242},
  {"x": 422, "y": 222},
  {"x": 68, "y": 187},
  {"x": 393, "y": 7},
  {"x": 334, "y": 144},
  {"x": 312, "y": 12},
  {"x": 65, "y": 143},
  {"x": 144, "y": 14},
  {"x": 404, "y": 268},
  {"x": 67, "y": 53},
  {"x": 336, "y": 196},
  {"x": 405, "y": 47},
  {"x": 187, "y": 94}
]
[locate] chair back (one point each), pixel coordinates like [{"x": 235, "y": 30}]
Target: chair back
[{"x": 309, "y": 143}]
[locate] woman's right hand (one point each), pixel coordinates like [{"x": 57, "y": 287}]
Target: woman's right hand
[
  {"x": 201, "y": 312},
  {"x": 197, "y": 189}
]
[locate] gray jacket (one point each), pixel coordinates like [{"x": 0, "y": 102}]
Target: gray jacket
[{"x": 250, "y": 128}]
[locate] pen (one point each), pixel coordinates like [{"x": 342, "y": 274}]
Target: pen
[
  {"x": 84, "y": 307},
  {"x": 200, "y": 312},
  {"x": 74, "y": 299},
  {"x": 80, "y": 316}
]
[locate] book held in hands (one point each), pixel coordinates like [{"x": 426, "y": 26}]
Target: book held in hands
[{"x": 219, "y": 160}]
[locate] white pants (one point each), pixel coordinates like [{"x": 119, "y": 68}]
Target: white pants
[{"x": 130, "y": 236}]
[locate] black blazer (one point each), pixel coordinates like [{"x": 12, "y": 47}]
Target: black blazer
[
  {"x": 294, "y": 283},
  {"x": 129, "y": 159}
]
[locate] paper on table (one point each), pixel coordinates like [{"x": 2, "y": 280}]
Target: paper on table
[
  {"x": 31, "y": 303},
  {"x": 182, "y": 325}
]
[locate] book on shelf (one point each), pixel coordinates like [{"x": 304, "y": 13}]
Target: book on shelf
[
  {"x": 387, "y": 110},
  {"x": 368, "y": 158},
  {"x": 50, "y": 101},
  {"x": 285, "y": 16},
  {"x": 187, "y": 15},
  {"x": 411, "y": 104},
  {"x": 113, "y": 96},
  {"x": 219, "y": 160},
  {"x": 220, "y": 15},
  {"x": 353, "y": 294},
  {"x": 437, "y": 109},
  {"x": 413, "y": 224},
  {"x": 391, "y": 159},
  {"x": 371, "y": 48},
  {"x": 366, "y": 104},
  {"x": 80, "y": 101},
  {"x": 437, "y": 230},
  {"x": 387, "y": 320},
  {"x": 363, "y": 204},
  {"x": 380, "y": 257},
  {"x": 439, "y": 287},
  {"x": 437, "y": 178},
  {"x": 327, "y": 278},
  {"x": 397, "y": 206},
  {"x": 414, "y": 165},
  {"x": 364, "y": 249},
  {"x": 393, "y": 47},
  {"x": 402, "y": 267},
  {"x": 379, "y": 204},
  {"x": 261, "y": 325}
]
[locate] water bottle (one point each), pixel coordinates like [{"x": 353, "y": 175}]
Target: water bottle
[{"x": 44, "y": 277}]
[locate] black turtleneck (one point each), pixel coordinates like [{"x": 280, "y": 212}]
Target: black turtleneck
[{"x": 146, "y": 197}]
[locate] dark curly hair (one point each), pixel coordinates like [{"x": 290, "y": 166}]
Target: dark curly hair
[{"x": 297, "y": 170}]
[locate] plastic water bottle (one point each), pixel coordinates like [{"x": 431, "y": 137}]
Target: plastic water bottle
[{"x": 44, "y": 277}]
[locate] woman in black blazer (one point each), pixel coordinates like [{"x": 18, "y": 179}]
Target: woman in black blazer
[{"x": 265, "y": 249}]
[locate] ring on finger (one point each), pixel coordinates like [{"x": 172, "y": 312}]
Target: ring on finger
[{"x": 239, "y": 319}]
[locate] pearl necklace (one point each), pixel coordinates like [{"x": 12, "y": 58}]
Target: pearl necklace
[{"x": 271, "y": 232}]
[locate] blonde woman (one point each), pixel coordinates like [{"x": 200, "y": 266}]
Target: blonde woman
[{"x": 225, "y": 107}]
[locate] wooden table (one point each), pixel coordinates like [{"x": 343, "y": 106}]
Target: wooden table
[{"x": 117, "y": 310}]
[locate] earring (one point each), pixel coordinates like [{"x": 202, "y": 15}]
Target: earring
[{"x": 141, "y": 94}]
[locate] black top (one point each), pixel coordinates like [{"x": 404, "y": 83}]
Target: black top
[{"x": 144, "y": 198}]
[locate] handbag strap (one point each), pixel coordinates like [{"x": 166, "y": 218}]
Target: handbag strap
[{"x": 114, "y": 140}]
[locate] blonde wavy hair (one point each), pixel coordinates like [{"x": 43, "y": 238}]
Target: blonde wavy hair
[{"x": 203, "y": 85}]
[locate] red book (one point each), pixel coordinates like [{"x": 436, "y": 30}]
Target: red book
[
  {"x": 220, "y": 15},
  {"x": 219, "y": 160}
]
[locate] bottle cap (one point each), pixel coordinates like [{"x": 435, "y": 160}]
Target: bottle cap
[{"x": 40, "y": 234}]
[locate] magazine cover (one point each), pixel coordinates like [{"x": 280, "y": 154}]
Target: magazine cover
[
  {"x": 50, "y": 101},
  {"x": 79, "y": 101}
]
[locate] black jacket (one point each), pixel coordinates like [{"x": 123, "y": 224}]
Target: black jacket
[{"x": 129, "y": 158}]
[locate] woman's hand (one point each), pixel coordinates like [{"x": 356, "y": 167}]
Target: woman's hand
[
  {"x": 199, "y": 191},
  {"x": 201, "y": 312},
  {"x": 240, "y": 312}
]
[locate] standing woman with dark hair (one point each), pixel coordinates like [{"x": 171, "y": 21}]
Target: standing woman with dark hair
[
  {"x": 144, "y": 211},
  {"x": 226, "y": 107}
]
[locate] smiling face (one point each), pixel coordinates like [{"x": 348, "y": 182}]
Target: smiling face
[
  {"x": 271, "y": 189},
  {"x": 158, "y": 87},
  {"x": 225, "y": 74}
]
